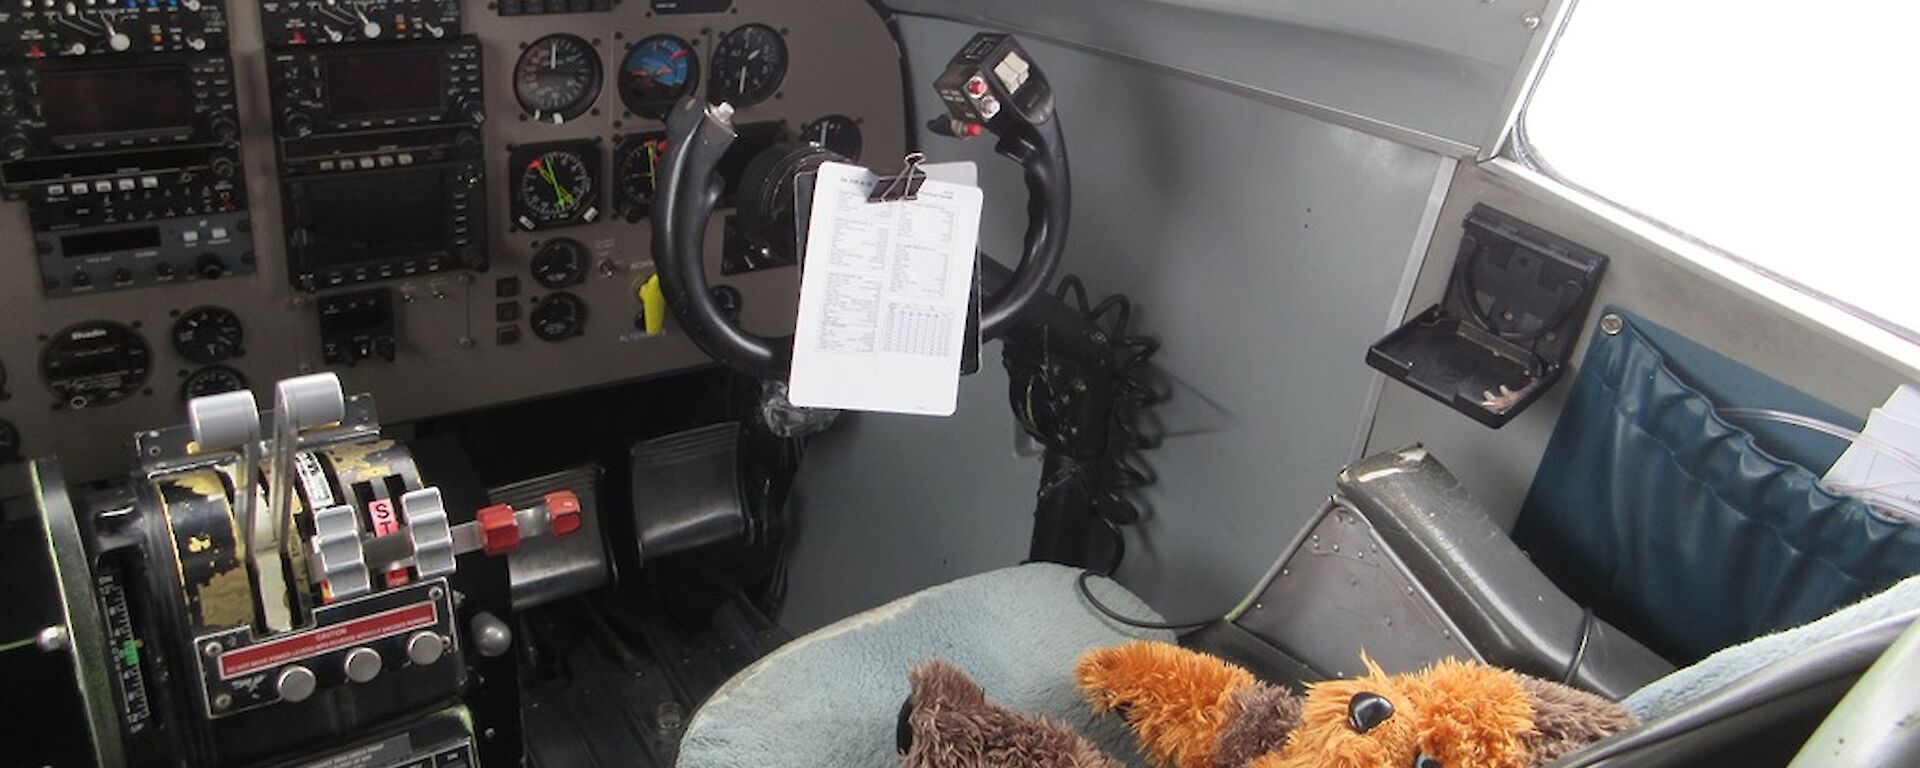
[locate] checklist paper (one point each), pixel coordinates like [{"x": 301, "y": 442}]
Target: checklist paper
[{"x": 883, "y": 295}]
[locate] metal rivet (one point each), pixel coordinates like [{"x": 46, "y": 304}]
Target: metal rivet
[
  {"x": 1610, "y": 324},
  {"x": 222, "y": 701},
  {"x": 1530, "y": 21},
  {"x": 212, "y": 649}
]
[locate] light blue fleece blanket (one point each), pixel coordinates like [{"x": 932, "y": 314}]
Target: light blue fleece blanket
[
  {"x": 1716, "y": 671},
  {"x": 833, "y": 697}
]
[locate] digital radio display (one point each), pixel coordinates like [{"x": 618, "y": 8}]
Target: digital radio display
[
  {"x": 369, "y": 85},
  {"x": 101, "y": 102}
]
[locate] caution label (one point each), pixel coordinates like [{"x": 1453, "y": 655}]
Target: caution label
[{"x": 253, "y": 658}]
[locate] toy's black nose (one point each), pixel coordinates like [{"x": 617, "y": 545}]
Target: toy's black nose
[{"x": 1366, "y": 711}]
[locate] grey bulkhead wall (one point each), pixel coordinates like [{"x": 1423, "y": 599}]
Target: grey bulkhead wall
[{"x": 1263, "y": 246}]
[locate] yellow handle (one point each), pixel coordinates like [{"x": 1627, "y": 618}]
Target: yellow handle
[{"x": 653, "y": 304}]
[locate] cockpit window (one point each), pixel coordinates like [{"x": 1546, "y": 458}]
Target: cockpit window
[{"x": 1779, "y": 134}]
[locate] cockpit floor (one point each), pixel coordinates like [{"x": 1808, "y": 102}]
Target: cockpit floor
[{"x": 609, "y": 681}]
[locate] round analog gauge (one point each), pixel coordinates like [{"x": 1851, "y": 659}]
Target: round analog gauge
[
  {"x": 558, "y": 316},
  {"x": 838, "y": 133},
  {"x": 207, "y": 335},
  {"x": 559, "y": 263},
  {"x": 748, "y": 66},
  {"x": 555, "y": 186},
  {"x": 212, "y": 380},
  {"x": 636, "y": 161},
  {"x": 657, "y": 72},
  {"x": 557, "y": 78},
  {"x": 95, "y": 363}
]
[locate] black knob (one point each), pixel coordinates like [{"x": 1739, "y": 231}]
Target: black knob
[
  {"x": 385, "y": 347},
  {"x": 164, "y": 270},
  {"x": 298, "y": 125},
  {"x": 82, "y": 279},
  {"x": 225, "y": 130},
  {"x": 730, "y": 301},
  {"x": 222, "y": 168},
  {"x": 14, "y": 146},
  {"x": 122, "y": 276},
  {"x": 209, "y": 267},
  {"x": 475, "y": 112}
]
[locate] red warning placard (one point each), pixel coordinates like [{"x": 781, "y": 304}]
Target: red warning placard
[{"x": 253, "y": 658}]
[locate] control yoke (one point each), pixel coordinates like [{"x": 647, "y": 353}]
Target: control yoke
[{"x": 990, "y": 85}]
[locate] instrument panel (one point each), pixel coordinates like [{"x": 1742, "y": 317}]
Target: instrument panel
[{"x": 445, "y": 201}]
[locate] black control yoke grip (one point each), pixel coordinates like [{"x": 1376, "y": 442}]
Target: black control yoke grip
[{"x": 687, "y": 187}]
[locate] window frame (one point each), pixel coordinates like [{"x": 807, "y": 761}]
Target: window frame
[{"x": 1510, "y": 157}]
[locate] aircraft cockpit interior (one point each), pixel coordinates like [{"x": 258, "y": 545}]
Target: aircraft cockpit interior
[{"x": 956, "y": 384}]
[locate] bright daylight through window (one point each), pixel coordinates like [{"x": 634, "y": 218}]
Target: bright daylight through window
[{"x": 1780, "y": 133}]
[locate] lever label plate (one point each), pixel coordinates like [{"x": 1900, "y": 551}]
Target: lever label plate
[{"x": 254, "y": 658}]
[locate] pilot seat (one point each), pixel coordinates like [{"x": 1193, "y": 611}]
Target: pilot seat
[{"x": 1665, "y": 509}]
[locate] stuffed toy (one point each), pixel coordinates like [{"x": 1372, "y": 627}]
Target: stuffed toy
[
  {"x": 948, "y": 722},
  {"x": 1191, "y": 710}
]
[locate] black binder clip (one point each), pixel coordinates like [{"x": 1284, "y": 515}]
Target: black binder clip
[{"x": 903, "y": 186}]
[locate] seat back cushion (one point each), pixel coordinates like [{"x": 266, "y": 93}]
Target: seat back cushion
[{"x": 833, "y": 697}]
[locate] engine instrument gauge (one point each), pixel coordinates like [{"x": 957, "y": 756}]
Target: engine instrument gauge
[
  {"x": 748, "y": 66},
  {"x": 559, "y": 263},
  {"x": 208, "y": 335},
  {"x": 557, "y": 78},
  {"x": 555, "y": 185},
  {"x": 657, "y": 72},
  {"x": 97, "y": 362},
  {"x": 636, "y": 161},
  {"x": 558, "y": 316},
  {"x": 212, "y": 380},
  {"x": 838, "y": 133}
]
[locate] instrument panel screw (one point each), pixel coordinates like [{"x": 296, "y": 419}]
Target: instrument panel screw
[
  {"x": 222, "y": 701},
  {"x": 212, "y": 649},
  {"x": 1610, "y": 324},
  {"x": 436, "y": 593},
  {"x": 1530, "y": 21}
]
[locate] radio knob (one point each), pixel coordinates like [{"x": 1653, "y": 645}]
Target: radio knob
[
  {"x": 225, "y": 130},
  {"x": 122, "y": 276},
  {"x": 299, "y": 125},
  {"x": 192, "y": 6},
  {"x": 222, "y": 168},
  {"x": 164, "y": 271},
  {"x": 14, "y": 146},
  {"x": 475, "y": 112},
  {"x": 209, "y": 267}
]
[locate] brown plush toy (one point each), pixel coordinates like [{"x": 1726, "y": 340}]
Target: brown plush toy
[
  {"x": 1191, "y": 710},
  {"x": 948, "y": 722}
]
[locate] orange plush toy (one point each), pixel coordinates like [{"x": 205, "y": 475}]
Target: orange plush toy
[{"x": 1191, "y": 710}]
